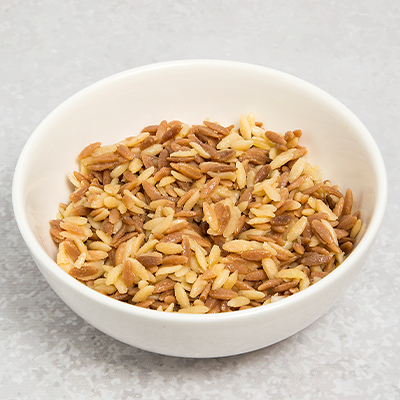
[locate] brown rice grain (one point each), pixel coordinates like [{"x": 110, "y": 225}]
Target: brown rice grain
[
  {"x": 222, "y": 294},
  {"x": 348, "y": 202}
]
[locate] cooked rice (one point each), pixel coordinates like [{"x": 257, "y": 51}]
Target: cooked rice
[{"x": 202, "y": 218}]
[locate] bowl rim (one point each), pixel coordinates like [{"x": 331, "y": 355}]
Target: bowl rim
[{"x": 52, "y": 268}]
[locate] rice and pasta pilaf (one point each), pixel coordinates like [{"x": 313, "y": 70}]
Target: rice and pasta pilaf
[{"x": 202, "y": 218}]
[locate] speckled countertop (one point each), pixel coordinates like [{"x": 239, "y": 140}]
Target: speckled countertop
[{"x": 50, "y": 49}]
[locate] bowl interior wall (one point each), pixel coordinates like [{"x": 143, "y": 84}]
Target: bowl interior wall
[{"x": 122, "y": 105}]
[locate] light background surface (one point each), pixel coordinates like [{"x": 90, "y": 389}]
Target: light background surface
[{"x": 50, "y": 49}]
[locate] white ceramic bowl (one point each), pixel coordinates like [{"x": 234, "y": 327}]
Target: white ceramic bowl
[{"x": 191, "y": 91}]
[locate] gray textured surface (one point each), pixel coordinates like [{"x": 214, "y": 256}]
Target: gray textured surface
[{"x": 50, "y": 49}]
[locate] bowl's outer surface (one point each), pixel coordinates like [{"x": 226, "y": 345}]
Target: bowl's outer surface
[{"x": 191, "y": 91}]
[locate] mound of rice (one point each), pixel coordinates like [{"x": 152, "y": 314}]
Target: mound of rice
[{"x": 202, "y": 218}]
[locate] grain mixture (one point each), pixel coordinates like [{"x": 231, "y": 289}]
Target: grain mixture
[{"x": 202, "y": 218}]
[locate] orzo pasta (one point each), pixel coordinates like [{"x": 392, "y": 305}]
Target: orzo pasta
[{"x": 202, "y": 218}]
